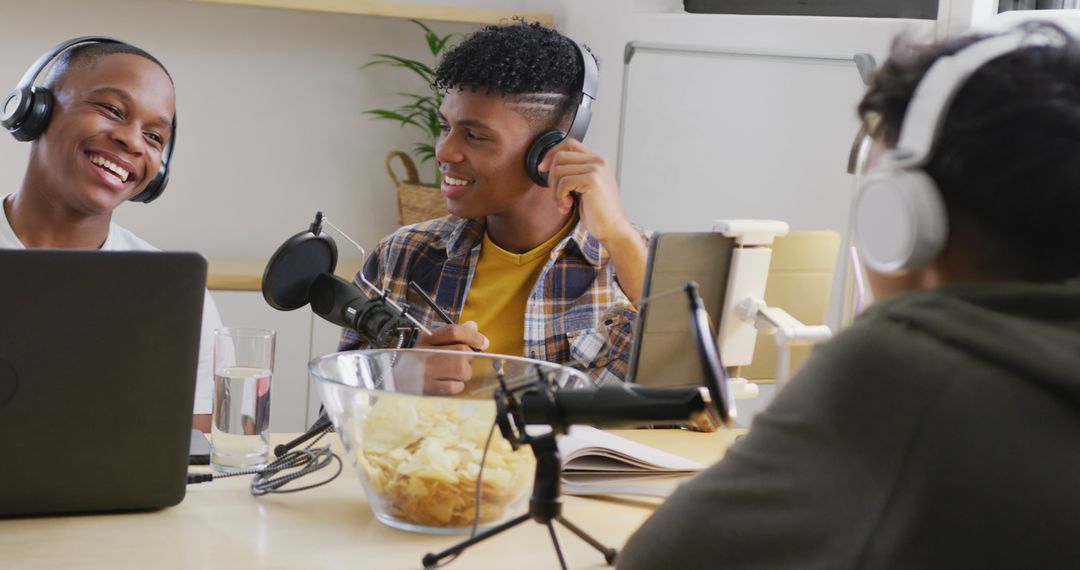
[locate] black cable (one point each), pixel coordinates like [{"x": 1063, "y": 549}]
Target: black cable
[
  {"x": 480, "y": 479},
  {"x": 305, "y": 460},
  {"x": 195, "y": 478},
  {"x": 320, "y": 427},
  {"x": 479, "y": 486},
  {"x": 267, "y": 479},
  {"x": 497, "y": 366},
  {"x": 320, "y": 436}
]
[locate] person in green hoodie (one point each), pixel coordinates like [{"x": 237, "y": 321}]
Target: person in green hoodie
[{"x": 942, "y": 429}]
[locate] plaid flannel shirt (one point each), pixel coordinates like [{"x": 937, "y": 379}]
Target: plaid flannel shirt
[{"x": 576, "y": 314}]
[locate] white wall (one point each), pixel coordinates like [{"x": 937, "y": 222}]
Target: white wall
[
  {"x": 269, "y": 105},
  {"x": 270, "y": 101},
  {"x": 607, "y": 25}
]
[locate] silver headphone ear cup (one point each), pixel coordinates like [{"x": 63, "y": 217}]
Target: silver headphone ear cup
[
  {"x": 933, "y": 220},
  {"x": 900, "y": 221}
]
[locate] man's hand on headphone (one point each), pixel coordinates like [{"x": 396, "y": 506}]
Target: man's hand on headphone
[{"x": 575, "y": 170}]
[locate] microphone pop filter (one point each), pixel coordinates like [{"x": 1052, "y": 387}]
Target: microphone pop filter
[{"x": 286, "y": 283}]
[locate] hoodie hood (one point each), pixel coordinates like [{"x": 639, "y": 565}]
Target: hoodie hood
[{"x": 1028, "y": 328}]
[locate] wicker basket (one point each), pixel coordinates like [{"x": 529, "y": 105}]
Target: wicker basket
[{"x": 416, "y": 202}]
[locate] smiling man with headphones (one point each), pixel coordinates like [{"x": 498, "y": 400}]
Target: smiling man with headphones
[
  {"x": 537, "y": 258},
  {"x": 102, "y": 127},
  {"x": 941, "y": 429}
]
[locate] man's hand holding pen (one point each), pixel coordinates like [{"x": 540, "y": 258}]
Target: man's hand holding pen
[
  {"x": 454, "y": 337},
  {"x": 448, "y": 374}
]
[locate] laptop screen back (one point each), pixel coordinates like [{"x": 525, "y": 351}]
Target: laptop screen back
[{"x": 98, "y": 358}]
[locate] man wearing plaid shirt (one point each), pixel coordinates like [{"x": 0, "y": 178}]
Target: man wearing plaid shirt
[{"x": 545, "y": 272}]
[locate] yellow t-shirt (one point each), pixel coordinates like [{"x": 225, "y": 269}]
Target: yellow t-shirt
[{"x": 500, "y": 288}]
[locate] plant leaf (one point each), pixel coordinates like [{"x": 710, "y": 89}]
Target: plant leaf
[
  {"x": 430, "y": 37},
  {"x": 440, "y": 44},
  {"x": 424, "y": 26},
  {"x": 434, "y": 42},
  {"x": 392, "y": 116},
  {"x": 420, "y": 110},
  {"x": 425, "y": 72}
]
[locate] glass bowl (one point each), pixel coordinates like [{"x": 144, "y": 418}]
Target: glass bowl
[{"x": 414, "y": 423}]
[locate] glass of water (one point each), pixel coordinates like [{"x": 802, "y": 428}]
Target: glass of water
[{"x": 243, "y": 368}]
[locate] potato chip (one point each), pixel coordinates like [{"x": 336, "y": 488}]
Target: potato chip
[{"x": 421, "y": 458}]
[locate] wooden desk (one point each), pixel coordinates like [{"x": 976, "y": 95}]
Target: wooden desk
[{"x": 221, "y": 525}]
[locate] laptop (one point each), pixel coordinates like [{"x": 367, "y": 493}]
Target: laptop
[
  {"x": 664, "y": 353},
  {"x": 98, "y": 359}
]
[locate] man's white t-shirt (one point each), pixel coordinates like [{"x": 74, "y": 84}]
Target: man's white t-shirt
[{"x": 121, "y": 239}]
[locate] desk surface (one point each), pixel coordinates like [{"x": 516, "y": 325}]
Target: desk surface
[{"x": 221, "y": 525}]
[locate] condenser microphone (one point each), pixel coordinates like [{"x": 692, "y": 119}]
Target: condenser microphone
[
  {"x": 287, "y": 280},
  {"x": 623, "y": 406},
  {"x": 301, "y": 272},
  {"x": 382, "y": 325},
  {"x": 538, "y": 402}
]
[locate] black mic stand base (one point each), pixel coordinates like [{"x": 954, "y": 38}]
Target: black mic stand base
[{"x": 545, "y": 506}]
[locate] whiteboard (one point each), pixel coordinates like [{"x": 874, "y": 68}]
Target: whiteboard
[{"x": 709, "y": 133}]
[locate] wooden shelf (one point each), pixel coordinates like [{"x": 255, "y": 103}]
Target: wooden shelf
[
  {"x": 236, "y": 274},
  {"x": 389, "y": 9}
]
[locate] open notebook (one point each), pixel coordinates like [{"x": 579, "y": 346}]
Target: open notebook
[{"x": 600, "y": 463}]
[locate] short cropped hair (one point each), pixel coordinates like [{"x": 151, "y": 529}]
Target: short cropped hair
[
  {"x": 1008, "y": 153},
  {"x": 536, "y": 68},
  {"x": 85, "y": 55}
]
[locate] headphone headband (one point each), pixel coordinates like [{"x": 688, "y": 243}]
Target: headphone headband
[
  {"x": 590, "y": 80},
  {"x": 934, "y": 94},
  {"x": 17, "y": 105},
  {"x": 42, "y": 62}
]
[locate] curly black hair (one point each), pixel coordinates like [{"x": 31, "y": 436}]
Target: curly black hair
[
  {"x": 1006, "y": 154},
  {"x": 518, "y": 60}
]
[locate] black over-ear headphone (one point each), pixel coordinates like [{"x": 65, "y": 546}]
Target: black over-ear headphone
[
  {"x": 28, "y": 108},
  {"x": 549, "y": 138}
]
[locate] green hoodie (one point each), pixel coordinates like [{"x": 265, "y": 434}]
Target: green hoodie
[{"x": 942, "y": 430}]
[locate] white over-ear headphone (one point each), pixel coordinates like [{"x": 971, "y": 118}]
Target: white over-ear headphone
[{"x": 900, "y": 219}]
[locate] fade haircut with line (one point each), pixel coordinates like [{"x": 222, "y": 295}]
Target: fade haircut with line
[{"x": 537, "y": 70}]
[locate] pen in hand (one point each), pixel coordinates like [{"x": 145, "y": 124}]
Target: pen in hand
[{"x": 438, "y": 311}]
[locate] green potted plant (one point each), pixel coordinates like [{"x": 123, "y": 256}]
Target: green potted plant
[{"x": 416, "y": 201}]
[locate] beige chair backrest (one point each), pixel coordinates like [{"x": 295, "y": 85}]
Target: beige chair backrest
[{"x": 800, "y": 280}]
